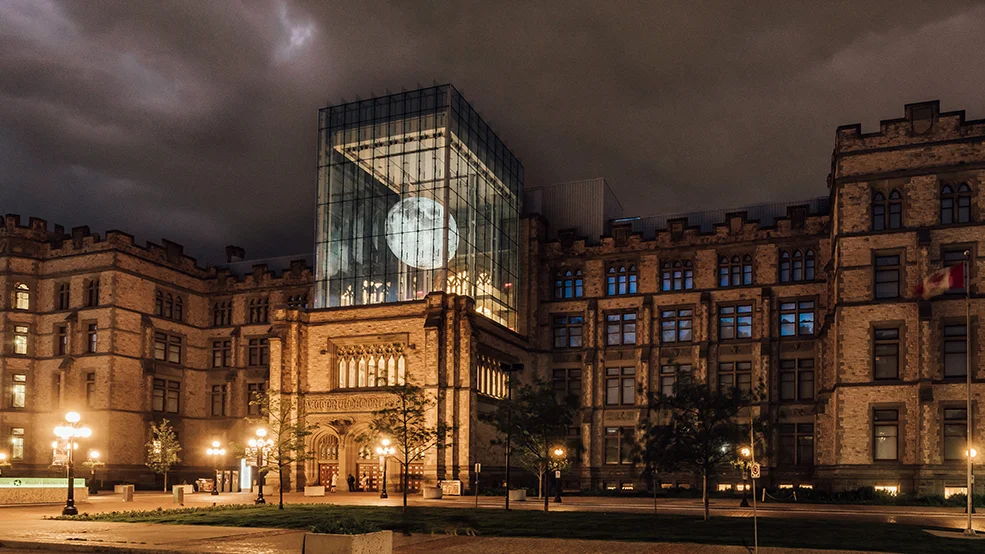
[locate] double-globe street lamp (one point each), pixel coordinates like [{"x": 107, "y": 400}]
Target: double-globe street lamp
[
  {"x": 260, "y": 443},
  {"x": 4, "y": 464},
  {"x": 216, "y": 452},
  {"x": 384, "y": 452},
  {"x": 69, "y": 433},
  {"x": 558, "y": 457}
]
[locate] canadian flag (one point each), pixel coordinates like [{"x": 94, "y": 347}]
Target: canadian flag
[{"x": 939, "y": 282}]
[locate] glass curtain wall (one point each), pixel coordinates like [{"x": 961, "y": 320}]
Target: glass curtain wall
[{"x": 416, "y": 194}]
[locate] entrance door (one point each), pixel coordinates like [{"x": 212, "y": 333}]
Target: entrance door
[
  {"x": 325, "y": 473},
  {"x": 369, "y": 476},
  {"x": 414, "y": 478}
]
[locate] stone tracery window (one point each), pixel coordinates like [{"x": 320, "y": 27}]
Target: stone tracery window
[
  {"x": 371, "y": 366},
  {"x": 887, "y": 214},
  {"x": 955, "y": 204},
  {"x": 490, "y": 377}
]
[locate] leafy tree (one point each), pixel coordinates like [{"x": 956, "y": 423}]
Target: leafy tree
[
  {"x": 162, "y": 450},
  {"x": 286, "y": 435},
  {"x": 405, "y": 422},
  {"x": 694, "y": 429},
  {"x": 540, "y": 424}
]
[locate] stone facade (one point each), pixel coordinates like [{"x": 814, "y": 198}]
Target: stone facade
[{"x": 788, "y": 304}]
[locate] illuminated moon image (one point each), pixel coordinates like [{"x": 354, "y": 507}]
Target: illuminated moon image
[{"x": 414, "y": 232}]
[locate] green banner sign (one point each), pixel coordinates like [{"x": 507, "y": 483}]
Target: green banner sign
[{"x": 38, "y": 483}]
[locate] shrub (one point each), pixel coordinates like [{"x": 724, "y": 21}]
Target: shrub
[{"x": 345, "y": 525}]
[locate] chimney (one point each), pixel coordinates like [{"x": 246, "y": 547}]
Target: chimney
[{"x": 235, "y": 254}]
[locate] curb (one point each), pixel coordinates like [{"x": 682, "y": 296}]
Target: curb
[{"x": 82, "y": 546}]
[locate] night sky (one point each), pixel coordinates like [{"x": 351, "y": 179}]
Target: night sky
[{"x": 196, "y": 121}]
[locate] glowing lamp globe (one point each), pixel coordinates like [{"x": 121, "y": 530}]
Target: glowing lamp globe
[
  {"x": 72, "y": 417},
  {"x": 415, "y": 230}
]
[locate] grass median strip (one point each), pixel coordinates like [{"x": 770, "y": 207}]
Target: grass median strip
[{"x": 784, "y": 533}]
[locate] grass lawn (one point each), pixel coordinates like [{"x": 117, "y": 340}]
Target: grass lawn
[{"x": 802, "y": 533}]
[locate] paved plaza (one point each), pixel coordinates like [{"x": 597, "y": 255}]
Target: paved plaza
[{"x": 27, "y": 526}]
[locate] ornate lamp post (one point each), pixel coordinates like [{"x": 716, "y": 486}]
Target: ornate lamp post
[
  {"x": 384, "y": 452},
  {"x": 215, "y": 452},
  {"x": 745, "y": 452},
  {"x": 69, "y": 433},
  {"x": 558, "y": 457},
  {"x": 260, "y": 444},
  {"x": 4, "y": 464}
]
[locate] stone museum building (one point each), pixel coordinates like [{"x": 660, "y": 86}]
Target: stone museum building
[{"x": 434, "y": 263}]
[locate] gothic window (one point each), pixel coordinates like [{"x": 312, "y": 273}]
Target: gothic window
[
  {"x": 621, "y": 280},
  {"x": 371, "y": 366},
  {"x": 222, "y": 313},
  {"x": 64, "y": 296},
  {"x": 491, "y": 379},
  {"x": 734, "y": 271},
  {"x": 298, "y": 301},
  {"x": 92, "y": 293},
  {"x": 259, "y": 310},
  {"x": 22, "y": 296},
  {"x": 797, "y": 266},
  {"x": 568, "y": 284},
  {"x": 678, "y": 275},
  {"x": 955, "y": 204},
  {"x": 887, "y": 213}
]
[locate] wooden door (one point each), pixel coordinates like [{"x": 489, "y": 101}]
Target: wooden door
[
  {"x": 369, "y": 476},
  {"x": 325, "y": 473}
]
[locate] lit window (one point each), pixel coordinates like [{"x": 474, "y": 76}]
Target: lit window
[
  {"x": 22, "y": 296},
  {"x": 18, "y": 390},
  {"x": 20, "y": 339},
  {"x": 17, "y": 443},
  {"x": 955, "y": 433},
  {"x": 885, "y": 434}
]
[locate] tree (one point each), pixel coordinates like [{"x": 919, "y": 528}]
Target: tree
[
  {"x": 286, "y": 435},
  {"x": 162, "y": 450},
  {"x": 695, "y": 429},
  {"x": 405, "y": 422},
  {"x": 540, "y": 424}
]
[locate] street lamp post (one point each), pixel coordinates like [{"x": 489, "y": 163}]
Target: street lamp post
[
  {"x": 69, "y": 433},
  {"x": 92, "y": 463},
  {"x": 3, "y": 462},
  {"x": 215, "y": 452},
  {"x": 384, "y": 451},
  {"x": 260, "y": 443},
  {"x": 971, "y": 453},
  {"x": 745, "y": 452},
  {"x": 558, "y": 455}
]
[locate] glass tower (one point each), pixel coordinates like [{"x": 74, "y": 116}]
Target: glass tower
[{"x": 416, "y": 194}]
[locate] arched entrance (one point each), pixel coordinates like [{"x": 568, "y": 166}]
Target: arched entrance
[{"x": 327, "y": 454}]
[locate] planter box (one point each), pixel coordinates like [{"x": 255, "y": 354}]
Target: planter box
[
  {"x": 314, "y": 491},
  {"x": 368, "y": 543},
  {"x": 189, "y": 489},
  {"x": 518, "y": 495},
  {"x": 431, "y": 493}
]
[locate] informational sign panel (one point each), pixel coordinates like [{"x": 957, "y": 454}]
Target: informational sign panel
[{"x": 755, "y": 471}]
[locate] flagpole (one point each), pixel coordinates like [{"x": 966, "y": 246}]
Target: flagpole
[{"x": 967, "y": 312}]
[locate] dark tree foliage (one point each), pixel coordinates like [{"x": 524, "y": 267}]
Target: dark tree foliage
[
  {"x": 694, "y": 430},
  {"x": 540, "y": 423}
]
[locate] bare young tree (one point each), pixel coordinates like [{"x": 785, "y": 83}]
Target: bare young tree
[{"x": 405, "y": 423}]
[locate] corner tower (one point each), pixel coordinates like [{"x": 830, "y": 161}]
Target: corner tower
[{"x": 416, "y": 194}]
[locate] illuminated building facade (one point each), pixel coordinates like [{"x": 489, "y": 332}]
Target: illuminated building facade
[{"x": 416, "y": 194}]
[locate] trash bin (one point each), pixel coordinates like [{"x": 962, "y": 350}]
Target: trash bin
[
  {"x": 179, "y": 494},
  {"x": 127, "y": 492}
]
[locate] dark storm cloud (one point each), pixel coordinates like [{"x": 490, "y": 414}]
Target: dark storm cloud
[{"x": 196, "y": 120}]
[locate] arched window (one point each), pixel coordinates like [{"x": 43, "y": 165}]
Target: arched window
[
  {"x": 221, "y": 313},
  {"x": 22, "y": 296},
  {"x": 887, "y": 213},
  {"x": 621, "y": 280},
  {"x": 159, "y": 304},
  {"x": 677, "y": 275},
  {"x": 168, "y": 306},
  {"x": 64, "y": 296},
  {"x": 809, "y": 265},
  {"x": 797, "y": 266},
  {"x": 178, "y": 308},
  {"x": 955, "y": 204},
  {"x": 568, "y": 284},
  {"x": 734, "y": 271},
  {"x": 259, "y": 310}
]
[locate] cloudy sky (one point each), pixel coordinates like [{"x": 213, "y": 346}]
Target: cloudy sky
[{"x": 196, "y": 120}]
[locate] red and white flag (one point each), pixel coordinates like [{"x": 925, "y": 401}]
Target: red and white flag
[{"x": 939, "y": 282}]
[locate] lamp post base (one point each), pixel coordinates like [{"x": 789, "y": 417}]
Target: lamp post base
[
  {"x": 215, "y": 491},
  {"x": 384, "y": 494},
  {"x": 557, "y": 498},
  {"x": 259, "y": 500},
  {"x": 70, "y": 510}
]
